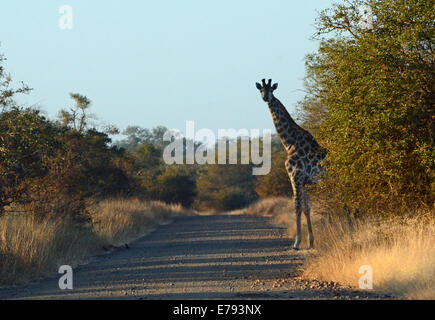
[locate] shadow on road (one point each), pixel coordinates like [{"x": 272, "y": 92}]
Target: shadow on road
[{"x": 190, "y": 257}]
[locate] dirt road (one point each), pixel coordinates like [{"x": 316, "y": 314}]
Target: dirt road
[{"x": 199, "y": 257}]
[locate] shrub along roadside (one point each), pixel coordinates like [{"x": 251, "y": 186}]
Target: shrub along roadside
[{"x": 370, "y": 102}]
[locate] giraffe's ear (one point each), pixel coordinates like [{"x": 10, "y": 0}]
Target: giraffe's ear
[
  {"x": 275, "y": 86},
  {"x": 258, "y": 85}
]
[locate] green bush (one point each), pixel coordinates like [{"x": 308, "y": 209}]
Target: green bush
[
  {"x": 225, "y": 187},
  {"x": 371, "y": 101},
  {"x": 175, "y": 184},
  {"x": 47, "y": 168}
]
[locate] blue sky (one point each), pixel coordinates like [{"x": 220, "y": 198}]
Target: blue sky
[{"x": 152, "y": 63}]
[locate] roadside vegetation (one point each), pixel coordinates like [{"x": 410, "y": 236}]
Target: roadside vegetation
[
  {"x": 31, "y": 247},
  {"x": 370, "y": 101},
  {"x": 400, "y": 250}
]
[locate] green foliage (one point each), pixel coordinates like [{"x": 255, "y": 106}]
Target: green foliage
[
  {"x": 175, "y": 184},
  {"x": 370, "y": 101},
  {"x": 53, "y": 167},
  {"x": 27, "y": 140},
  {"x": 155, "y": 180},
  {"x": 146, "y": 156},
  {"x": 97, "y": 167},
  {"x": 7, "y": 92},
  {"x": 49, "y": 168},
  {"x": 225, "y": 187},
  {"x": 137, "y": 136},
  {"x": 78, "y": 117}
]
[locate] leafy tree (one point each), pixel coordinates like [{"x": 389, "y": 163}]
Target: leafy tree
[
  {"x": 146, "y": 156},
  {"x": 47, "y": 168},
  {"x": 225, "y": 187},
  {"x": 137, "y": 136},
  {"x": 7, "y": 92},
  {"x": 101, "y": 163},
  {"x": 27, "y": 140},
  {"x": 370, "y": 100},
  {"x": 175, "y": 184},
  {"x": 77, "y": 117}
]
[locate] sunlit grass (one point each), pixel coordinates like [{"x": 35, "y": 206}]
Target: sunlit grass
[
  {"x": 400, "y": 250},
  {"x": 120, "y": 221}
]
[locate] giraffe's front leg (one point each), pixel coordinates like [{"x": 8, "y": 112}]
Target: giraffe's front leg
[{"x": 297, "y": 190}]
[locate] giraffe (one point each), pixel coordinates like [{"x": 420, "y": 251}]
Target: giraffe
[{"x": 304, "y": 155}]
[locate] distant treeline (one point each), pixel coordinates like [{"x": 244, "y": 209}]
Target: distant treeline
[
  {"x": 53, "y": 167},
  {"x": 209, "y": 186}
]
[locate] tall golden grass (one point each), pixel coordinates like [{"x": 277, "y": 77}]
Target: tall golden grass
[
  {"x": 400, "y": 250},
  {"x": 120, "y": 221},
  {"x": 30, "y": 247},
  {"x": 283, "y": 213},
  {"x": 33, "y": 247}
]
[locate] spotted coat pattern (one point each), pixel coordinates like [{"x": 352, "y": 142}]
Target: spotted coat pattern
[{"x": 304, "y": 156}]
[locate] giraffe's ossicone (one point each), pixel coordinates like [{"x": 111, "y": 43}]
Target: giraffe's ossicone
[{"x": 304, "y": 156}]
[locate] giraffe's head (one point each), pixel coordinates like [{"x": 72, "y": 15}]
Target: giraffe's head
[{"x": 267, "y": 89}]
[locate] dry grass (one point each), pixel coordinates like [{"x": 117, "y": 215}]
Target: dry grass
[
  {"x": 401, "y": 251},
  {"x": 121, "y": 221},
  {"x": 283, "y": 213},
  {"x": 30, "y": 247}
]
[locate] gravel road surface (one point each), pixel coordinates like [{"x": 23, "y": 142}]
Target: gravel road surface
[{"x": 198, "y": 257}]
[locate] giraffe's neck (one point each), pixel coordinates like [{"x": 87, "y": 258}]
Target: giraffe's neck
[{"x": 288, "y": 130}]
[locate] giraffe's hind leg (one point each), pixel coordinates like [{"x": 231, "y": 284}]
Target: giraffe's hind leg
[
  {"x": 307, "y": 212},
  {"x": 298, "y": 198}
]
